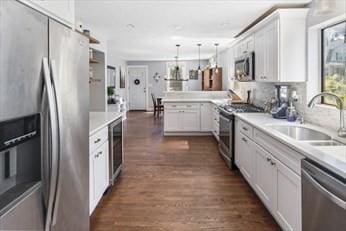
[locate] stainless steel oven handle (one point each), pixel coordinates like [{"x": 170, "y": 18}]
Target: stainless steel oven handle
[
  {"x": 60, "y": 134},
  {"x": 225, "y": 118},
  {"x": 338, "y": 201},
  {"x": 54, "y": 142}
]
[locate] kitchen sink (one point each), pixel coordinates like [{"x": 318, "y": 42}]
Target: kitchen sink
[
  {"x": 301, "y": 133},
  {"x": 326, "y": 143}
]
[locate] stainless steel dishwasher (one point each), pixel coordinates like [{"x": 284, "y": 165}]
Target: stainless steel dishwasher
[
  {"x": 323, "y": 198},
  {"x": 115, "y": 149}
]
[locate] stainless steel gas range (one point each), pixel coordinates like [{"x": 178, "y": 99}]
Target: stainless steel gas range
[{"x": 226, "y": 141}]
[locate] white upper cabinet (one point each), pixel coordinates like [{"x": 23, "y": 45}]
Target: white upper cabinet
[
  {"x": 279, "y": 42},
  {"x": 62, "y": 10}
]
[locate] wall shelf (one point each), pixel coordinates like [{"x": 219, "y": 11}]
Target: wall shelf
[
  {"x": 93, "y": 61},
  {"x": 92, "y": 39}
]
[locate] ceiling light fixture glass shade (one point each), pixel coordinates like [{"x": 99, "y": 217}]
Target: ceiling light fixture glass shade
[
  {"x": 176, "y": 74},
  {"x": 216, "y": 53},
  {"x": 199, "y": 60}
]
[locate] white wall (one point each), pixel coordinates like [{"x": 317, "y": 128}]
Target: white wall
[
  {"x": 158, "y": 87},
  {"x": 115, "y": 61}
]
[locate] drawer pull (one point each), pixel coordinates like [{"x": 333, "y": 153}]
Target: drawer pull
[
  {"x": 188, "y": 105},
  {"x": 174, "y": 105},
  {"x": 268, "y": 159},
  {"x": 98, "y": 154},
  {"x": 245, "y": 129},
  {"x": 272, "y": 163},
  {"x": 97, "y": 141},
  {"x": 245, "y": 140}
]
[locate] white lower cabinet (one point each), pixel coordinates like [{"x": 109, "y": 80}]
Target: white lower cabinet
[
  {"x": 247, "y": 158},
  {"x": 172, "y": 120},
  {"x": 206, "y": 117},
  {"x": 265, "y": 177},
  {"x": 98, "y": 173},
  {"x": 191, "y": 120},
  {"x": 275, "y": 183},
  {"x": 181, "y": 117},
  {"x": 288, "y": 198}
]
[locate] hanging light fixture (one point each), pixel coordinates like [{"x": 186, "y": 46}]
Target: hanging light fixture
[
  {"x": 176, "y": 73},
  {"x": 216, "y": 67},
  {"x": 199, "y": 58}
]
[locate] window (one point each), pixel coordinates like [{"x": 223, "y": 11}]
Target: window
[{"x": 334, "y": 61}]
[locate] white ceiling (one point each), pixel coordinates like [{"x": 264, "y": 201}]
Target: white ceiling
[{"x": 159, "y": 25}]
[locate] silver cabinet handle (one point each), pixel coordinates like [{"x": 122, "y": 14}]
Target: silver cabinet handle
[
  {"x": 245, "y": 140},
  {"x": 338, "y": 201},
  {"x": 268, "y": 159},
  {"x": 188, "y": 105},
  {"x": 97, "y": 141},
  {"x": 174, "y": 105},
  {"x": 272, "y": 163},
  {"x": 53, "y": 170},
  {"x": 245, "y": 129}
]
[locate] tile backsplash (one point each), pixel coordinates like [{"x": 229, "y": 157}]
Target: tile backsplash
[{"x": 325, "y": 116}]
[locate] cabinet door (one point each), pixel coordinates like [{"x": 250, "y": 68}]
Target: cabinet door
[
  {"x": 250, "y": 45},
  {"x": 271, "y": 52},
  {"x": 260, "y": 55},
  {"x": 265, "y": 182},
  {"x": 247, "y": 157},
  {"x": 172, "y": 120},
  {"x": 288, "y": 194},
  {"x": 206, "y": 117},
  {"x": 91, "y": 184},
  {"x": 191, "y": 120},
  {"x": 237, "y": 145},
  {"x": 100, "y": 171}
]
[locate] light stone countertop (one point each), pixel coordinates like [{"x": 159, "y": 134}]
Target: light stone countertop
[
  {"x": 196, "y": 100},
  {"x": 331, "y": 157},
  {"x": 99, "y": 120}
]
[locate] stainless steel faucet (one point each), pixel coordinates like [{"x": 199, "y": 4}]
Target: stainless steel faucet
[{"x": 340, "y": 103}]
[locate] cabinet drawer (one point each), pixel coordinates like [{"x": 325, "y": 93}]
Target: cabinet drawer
[
  {"x": 245, "y": 128},
  {"x": 182, "y": 105},
  {"x": 286, "y": 155},
  {"x": 98, "y": 139}
]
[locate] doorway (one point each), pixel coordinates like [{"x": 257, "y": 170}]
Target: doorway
[{"x": 138, "y": 91}]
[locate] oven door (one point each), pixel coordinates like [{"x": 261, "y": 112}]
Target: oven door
[{"x": 225, "y": 142}]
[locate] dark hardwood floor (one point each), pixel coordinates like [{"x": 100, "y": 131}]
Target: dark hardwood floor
[{"x": 177, "y": 183}]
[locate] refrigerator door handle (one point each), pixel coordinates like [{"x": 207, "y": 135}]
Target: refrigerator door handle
[
  {"x": 53, "y": 142},
  {"x": 59, "y": 119}
]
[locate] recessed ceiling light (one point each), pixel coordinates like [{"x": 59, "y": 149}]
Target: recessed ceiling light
[
  {"x": 178, "y": 27},
  {"x": 224, "y": 24},
  {"x": 176, "y": 37},
  {"x": 130, "y": 26}
]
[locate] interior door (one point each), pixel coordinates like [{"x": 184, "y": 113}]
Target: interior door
[{"x": 137, "y": 87}]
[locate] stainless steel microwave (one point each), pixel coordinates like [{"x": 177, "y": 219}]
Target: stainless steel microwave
[{"x": 245, "y": 67}]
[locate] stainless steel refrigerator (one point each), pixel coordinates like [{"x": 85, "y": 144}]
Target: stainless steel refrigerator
[{"x": 44, "y": 122}]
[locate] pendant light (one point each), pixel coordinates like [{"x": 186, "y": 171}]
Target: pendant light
[
  {"x": 216, "y": 67},
  {"x": 199, "y": 60},
  {"x": 177, "y": 70}
]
